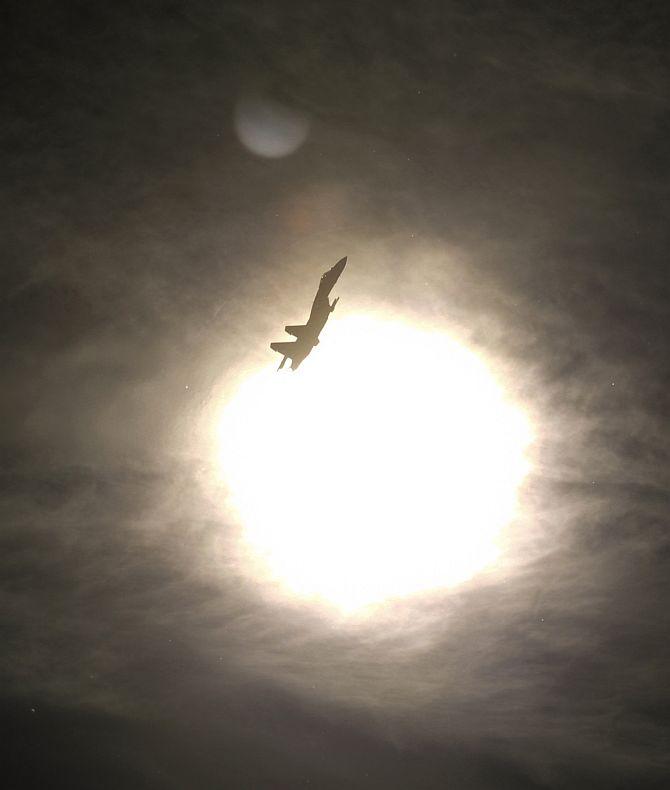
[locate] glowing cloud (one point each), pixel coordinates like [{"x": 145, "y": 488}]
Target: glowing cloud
[{"x": 386, "y": 466}]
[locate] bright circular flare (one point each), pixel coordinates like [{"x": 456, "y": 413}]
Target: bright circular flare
[
  {"x": 268, "y": 128},
  {"x": 387, "y": 465}
]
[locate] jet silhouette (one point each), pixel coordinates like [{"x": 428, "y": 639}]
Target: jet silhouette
[{"x": 307, "y": 335}]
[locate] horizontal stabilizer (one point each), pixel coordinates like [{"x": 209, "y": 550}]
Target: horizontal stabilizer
[
  {"x": 296, "y": 331},
  {"x": 284, "y": 348}
]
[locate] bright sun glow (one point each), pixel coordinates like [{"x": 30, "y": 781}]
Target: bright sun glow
[{"x": 387, "y": 465}]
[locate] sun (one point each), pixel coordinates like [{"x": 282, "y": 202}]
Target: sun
[{"x": 386, "y": 466}]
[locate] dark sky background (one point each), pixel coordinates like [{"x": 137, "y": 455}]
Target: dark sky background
[{"x": 499, "y": 167}]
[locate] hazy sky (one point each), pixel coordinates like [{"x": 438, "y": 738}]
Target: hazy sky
[{"x": 176, "y": 177}]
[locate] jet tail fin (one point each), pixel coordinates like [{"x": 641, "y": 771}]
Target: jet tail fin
[{"x": 295, "y": 330}]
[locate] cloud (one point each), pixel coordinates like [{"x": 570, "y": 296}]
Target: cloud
[{"x": 507, "y": 193}]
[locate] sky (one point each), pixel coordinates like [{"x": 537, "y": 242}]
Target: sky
[{"x": 176, "y": 178}]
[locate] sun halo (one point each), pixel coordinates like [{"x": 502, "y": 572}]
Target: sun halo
[{"x": 386, "y": 466}]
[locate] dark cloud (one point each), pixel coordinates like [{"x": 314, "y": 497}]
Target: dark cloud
[{"x": 500, "y": 171}]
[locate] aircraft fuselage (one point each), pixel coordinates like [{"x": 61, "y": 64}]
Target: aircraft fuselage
[{"x": 307, "y": 335}]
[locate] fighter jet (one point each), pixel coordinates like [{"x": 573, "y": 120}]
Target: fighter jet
[{"x": 307, "y": 335}]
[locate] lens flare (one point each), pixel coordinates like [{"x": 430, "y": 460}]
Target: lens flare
[
  {"x": 268, "y": 128},
  {"x": 386, "y": 466}
]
